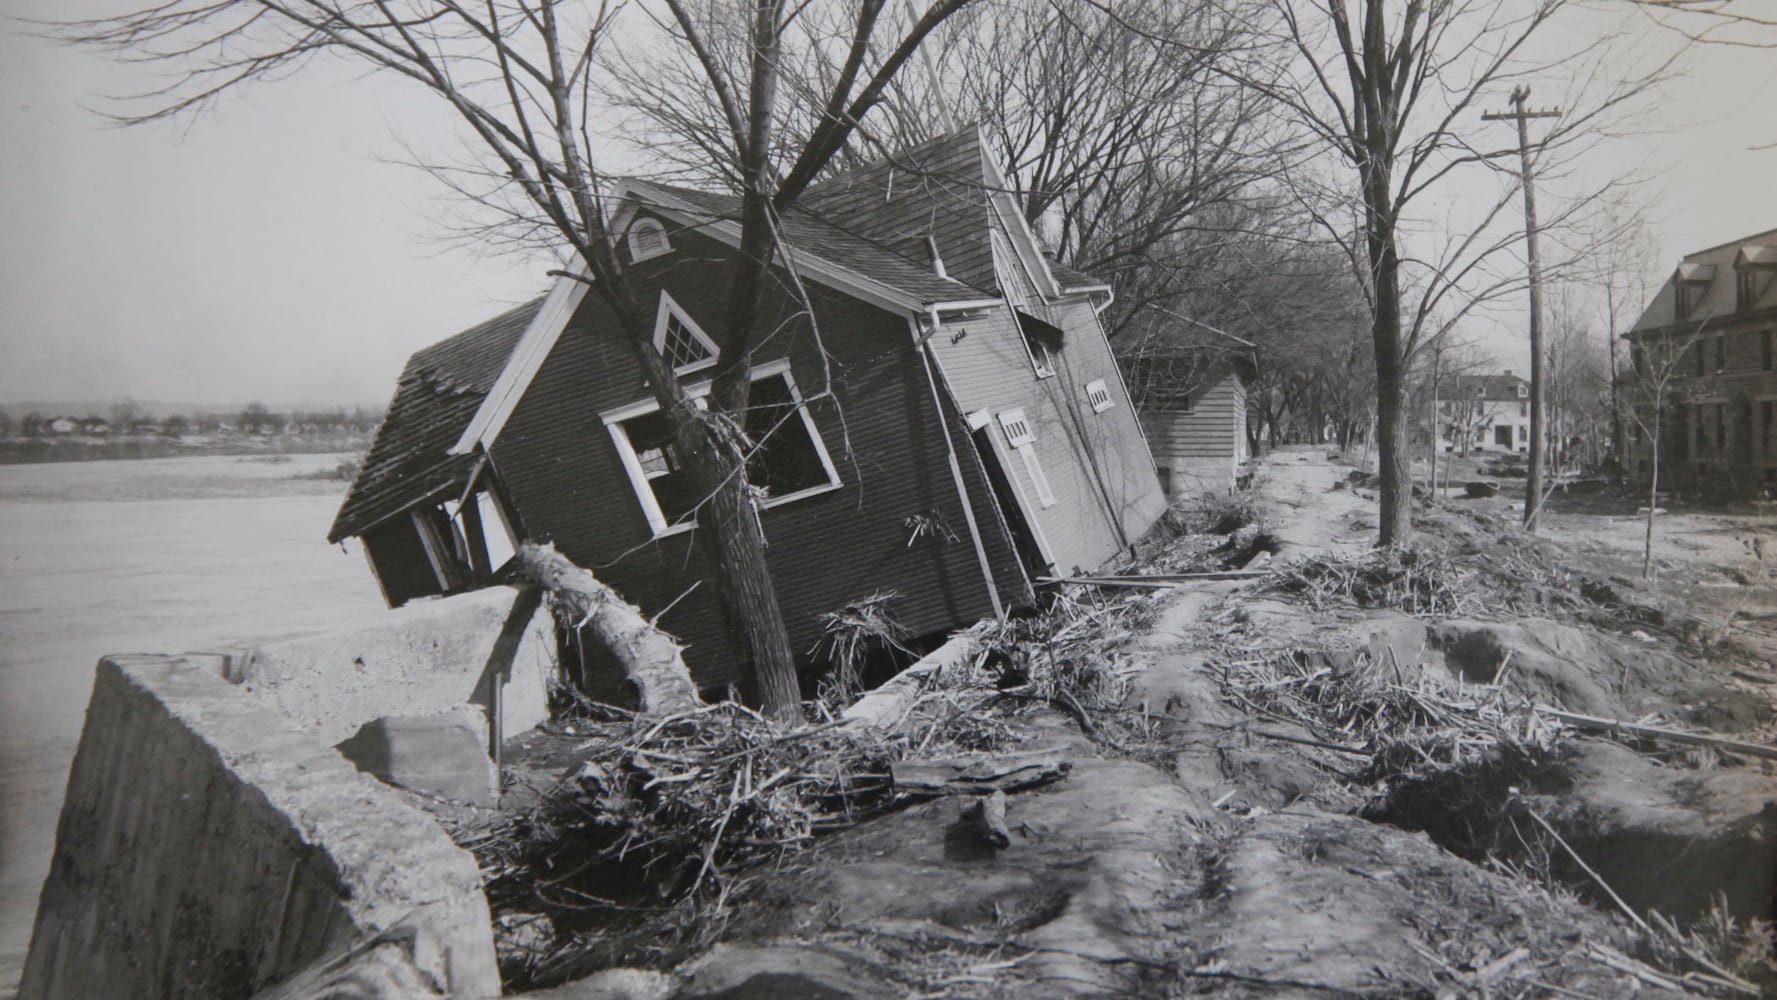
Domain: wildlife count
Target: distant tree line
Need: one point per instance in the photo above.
(128, 419)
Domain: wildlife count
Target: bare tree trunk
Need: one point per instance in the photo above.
(1393, 454)
(1653, 493)
(649, 657)
(729, 525)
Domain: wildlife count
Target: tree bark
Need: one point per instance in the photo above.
(728, 523)
(649, 657)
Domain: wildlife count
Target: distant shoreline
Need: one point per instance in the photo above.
(81, 448)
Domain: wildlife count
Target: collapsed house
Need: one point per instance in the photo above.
(943, 422)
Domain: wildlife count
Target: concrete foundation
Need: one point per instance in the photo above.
(209, 847)
(492, 647)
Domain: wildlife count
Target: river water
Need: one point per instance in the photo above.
(158, 555)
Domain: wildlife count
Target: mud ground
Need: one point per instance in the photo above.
(1220, 846)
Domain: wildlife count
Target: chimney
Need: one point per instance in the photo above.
(1508, 373)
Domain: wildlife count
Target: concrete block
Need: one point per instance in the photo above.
(208, 848)
(443, 755)
(426, 658)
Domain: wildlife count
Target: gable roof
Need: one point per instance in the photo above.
(1713, 273)
(438, 392)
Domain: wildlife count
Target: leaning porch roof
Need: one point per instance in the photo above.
(437, 394)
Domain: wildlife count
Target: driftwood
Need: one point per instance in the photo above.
(649, 657)
(974, 776)
(1598, 725)
(988, 813)
(888, 705)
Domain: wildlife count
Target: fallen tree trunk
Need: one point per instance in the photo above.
(975, 775)
(650, 658)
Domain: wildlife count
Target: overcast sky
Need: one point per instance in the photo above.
(269, 252)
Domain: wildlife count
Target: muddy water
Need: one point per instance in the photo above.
(160, 555)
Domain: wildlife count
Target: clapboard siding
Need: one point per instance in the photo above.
(1105, 489)
(564, 477)
(1204, 446)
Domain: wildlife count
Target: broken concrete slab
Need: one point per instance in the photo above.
(442, 755)
(422, 658)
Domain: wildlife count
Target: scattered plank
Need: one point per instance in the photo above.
(1158, 580)
(1593, 723)
(974, 776)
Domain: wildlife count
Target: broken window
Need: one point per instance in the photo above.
(1043, 341)
(786, 460)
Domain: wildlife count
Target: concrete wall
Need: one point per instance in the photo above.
(425, 658)
(210, 847)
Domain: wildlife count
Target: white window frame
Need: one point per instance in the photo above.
(670, 310)
(1098, 396)
(646, 225)
(638, 478)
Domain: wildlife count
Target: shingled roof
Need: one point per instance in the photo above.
(809, 233)
(937, 189)
(1493, 388)
(439, 390)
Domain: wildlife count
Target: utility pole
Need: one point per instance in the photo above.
(1533, 489)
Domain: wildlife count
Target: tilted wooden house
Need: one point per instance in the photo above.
(950, 427)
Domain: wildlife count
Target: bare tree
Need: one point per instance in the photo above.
(1390, 89)
(522, 77)
(1657, 365)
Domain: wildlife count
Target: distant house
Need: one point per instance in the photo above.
(1708, 343)
(1192, 400)
(62, 425)
(96, 426)
(1484, 413)
(958, 431)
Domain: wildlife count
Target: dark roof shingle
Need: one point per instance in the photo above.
(438, 393)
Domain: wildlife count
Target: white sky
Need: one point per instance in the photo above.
(268, 253)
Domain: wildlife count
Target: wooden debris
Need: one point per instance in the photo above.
(887, 706)
(988, 813)
(1595, 724)
(973, 776)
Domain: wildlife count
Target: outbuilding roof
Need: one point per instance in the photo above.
(438, 392)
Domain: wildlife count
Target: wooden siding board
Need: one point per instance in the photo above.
(562, 473)
(988, 368)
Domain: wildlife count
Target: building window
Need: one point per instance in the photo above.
(1043, 342)
(1686, 295)
(788, 460)
(1523, 391)
(647, 239)
(680, 340)
(1022, 439)
(1768, 409)
(1721, 426)
(1638, 360)
(1700, 362)
(1523, 409)
(1767, 343)
(1721, 353)
(1745, 287)
(1171, 400)
(1098, 396)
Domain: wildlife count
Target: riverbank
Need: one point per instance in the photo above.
(155, 555)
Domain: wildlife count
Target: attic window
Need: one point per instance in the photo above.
(788, 460)
(1745, 288)
(1042, 341)
(1098, 395)
(647, 239)
(1523, 391)
(680, 340)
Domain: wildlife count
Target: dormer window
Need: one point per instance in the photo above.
(680, 340)
(1523, 391)
(647, 239)
(1745, 288)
